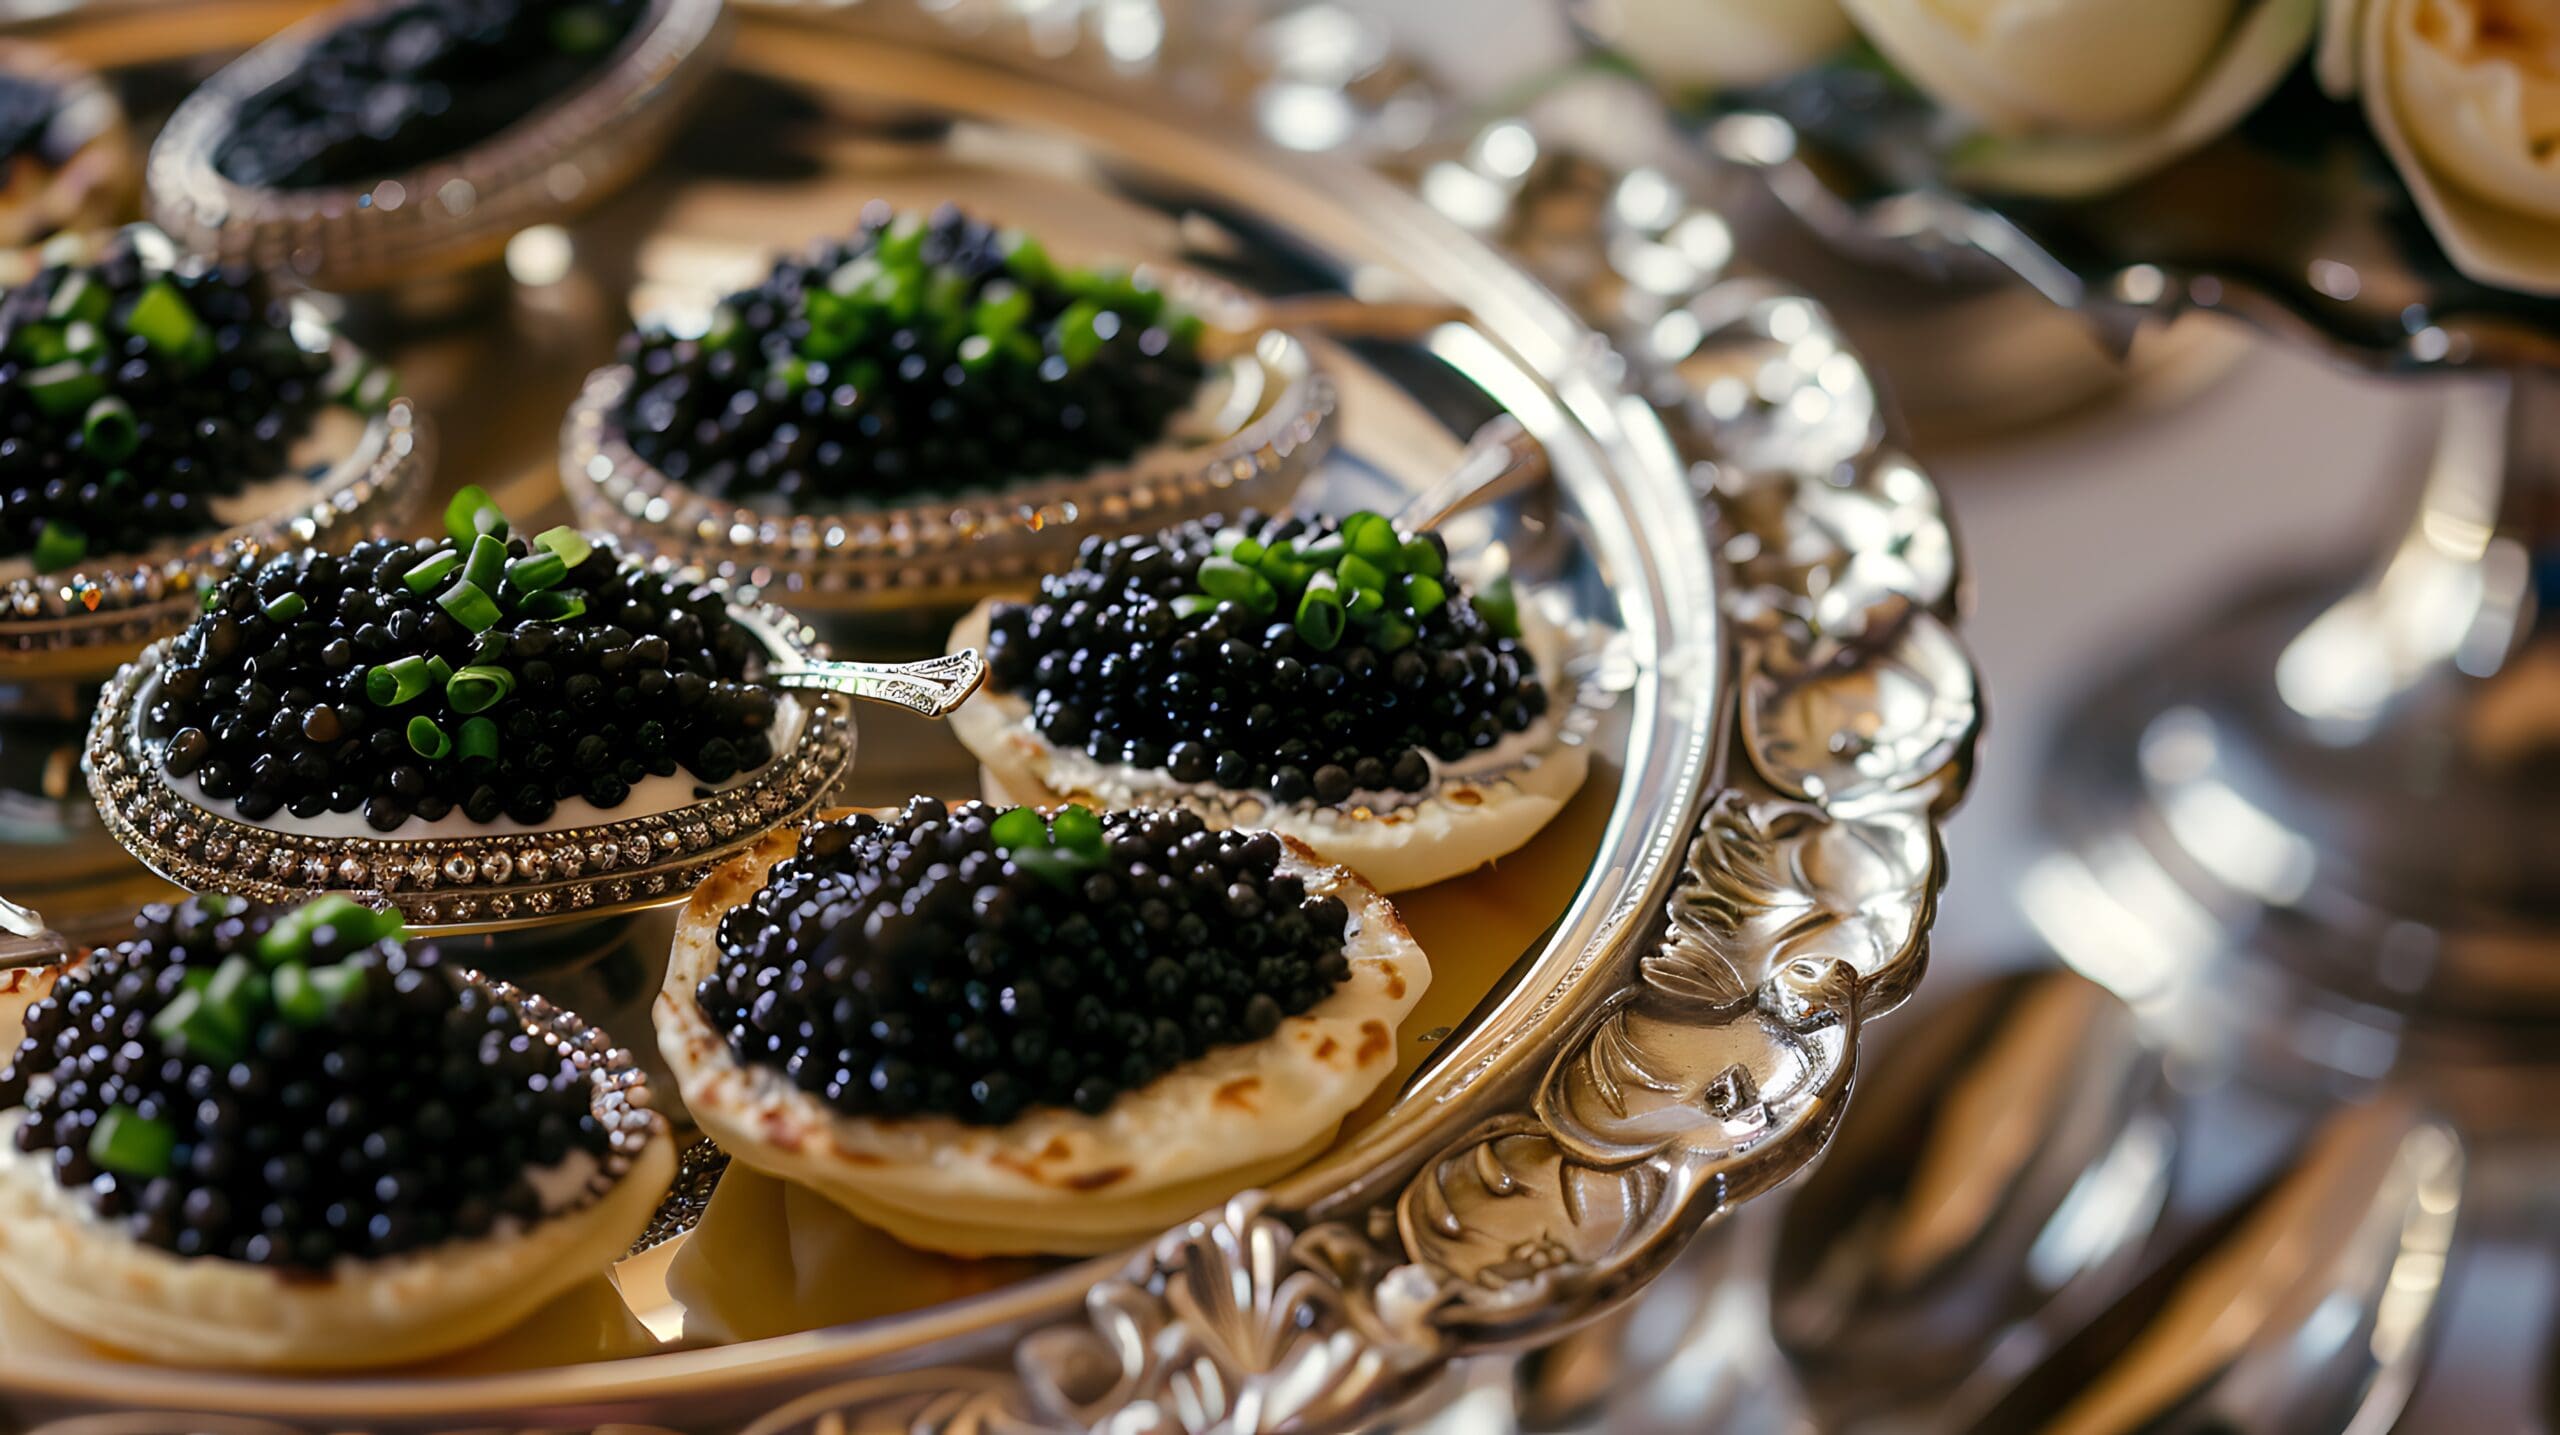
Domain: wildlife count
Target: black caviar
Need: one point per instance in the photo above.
(289, 1087)
(919, 356)
(134, 392)
(1309, 658)
(395, 88)
(976, 962)
(327, 683)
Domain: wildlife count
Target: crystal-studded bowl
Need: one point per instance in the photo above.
(441, 218)
(467, 878)
(1270, 406)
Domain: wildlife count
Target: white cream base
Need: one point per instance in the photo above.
(100, 1283)
(1476, 809)
(1056, 1181)
(649, 797)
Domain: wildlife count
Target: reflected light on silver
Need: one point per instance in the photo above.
(2237, 839)
(1305, 117)
(540, 256)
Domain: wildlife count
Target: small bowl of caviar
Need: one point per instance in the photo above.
(489, 730)
(387, 143)
(163, 420)
(66, 153)
(318, 1143)
(933, 408)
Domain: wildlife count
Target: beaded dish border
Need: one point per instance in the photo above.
(956, 550)
(443, 217)
(451, 885)
(618, 1089)
(73, 619)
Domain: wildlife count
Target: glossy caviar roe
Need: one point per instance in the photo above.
(281, 696)
(1127, 657)
(401, 86)
(236, 1081)
(917, 357)
(133, 394)
(976, 962)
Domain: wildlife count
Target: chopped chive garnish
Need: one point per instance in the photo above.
(64, 387)
(1422, 557)
(1021, 829)
(1226, 578)
(428, 740)
(470, 605)
(108, 430)
(479, 739)
(132, 1144)
(191, 1020)
(236, 988)
(1078, 829)
(287, 606)
(471, 513)
(396, 682)
(79, 297)
(439, 672)
(162, 319)
(535, 573)
(1500, 606)
(59, 545)
(1364, 605)
(1358, 573)
(487, 563)
(1424, 595)
(1393, 633)
(569, 543)
(554, 605)
(338, 981)
(299, 999)
(477, 688)
(1373, 537)
(1320, 617)
(1192, 605)
(431, 572)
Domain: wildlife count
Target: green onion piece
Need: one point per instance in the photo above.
(287, 607)
(1360, 575)
(439, 672)
(432, 572)
(479, 739)
(555, 605)
(65, 387)
(1058, 869)
(1002, 308)
(580, 30)
(1226, 540)
(470, 606)
(471, 513)
(59, 545)
(79, 297)
(477, 689)
(40, 344)
(191, 1021)
(1325, 551)
(1424, 557)
(1500, 606)
(1320, 616)
(1424, 595)
(724, 329)
(299, 999)
(1076, 337)
(1023, 829)
(487, 563)
(338, 981)
(1393, 632)
(535, 573)
(1078, 830)
(1373, 537)
(1025, 259)
(1226, 578)
(236, 987)
(82, 341)
(290, 938)
(428, 740)
(108, 430)
(393, 683)
(209, 597)
(1365, 604)
(132, 1144)
(1192, 605)
(163, 320)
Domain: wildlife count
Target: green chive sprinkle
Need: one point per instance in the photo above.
(132, 1144)
(108, 430)
(59, 545)
(1228, 579)
(398, 681)
(235, 987)
(478, 688)
(287, 607)
(487, 563)
(299, 999)
(1320, 616)
(1077, 829)
(1359, 574)
(1393, 633)
(1423, 557)
(569, 543)
(1424, 595)
(470, 605)
(479, 739)
(1373, 537)
(1500, 606)
(536, 572)
(1192, 605)
(1019, 830)
(162, 319)
(79, 297)
(194, 1022)
(428, 740)
(1365, 604)
(432, 572)
(64, 387)
(471, 513)
(338, 982)
(554, 605)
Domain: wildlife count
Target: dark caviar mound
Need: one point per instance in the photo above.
(388, 680)
(133, 394)
(917, 357)
(291, 1086)
(401, 86)
(976, 962)
(1302, 657)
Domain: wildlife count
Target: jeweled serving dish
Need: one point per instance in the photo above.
(1644, 1017)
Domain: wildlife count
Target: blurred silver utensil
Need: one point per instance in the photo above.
(25, 940)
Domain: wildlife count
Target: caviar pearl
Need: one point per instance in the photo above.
(291, 1087)
(976, 962)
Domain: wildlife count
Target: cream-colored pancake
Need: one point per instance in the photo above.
(1476, 810)
(92, 1278)
(1056, 1181)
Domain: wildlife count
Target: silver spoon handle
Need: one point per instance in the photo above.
(932, 687)
(25, 940)
(1500, 460)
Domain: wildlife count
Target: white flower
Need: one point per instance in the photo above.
(2075, 96)
(2476, 83)
(1721, 44)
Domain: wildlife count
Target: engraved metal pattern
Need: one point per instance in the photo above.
(473, 882)
(444, 216)
(957, 548)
